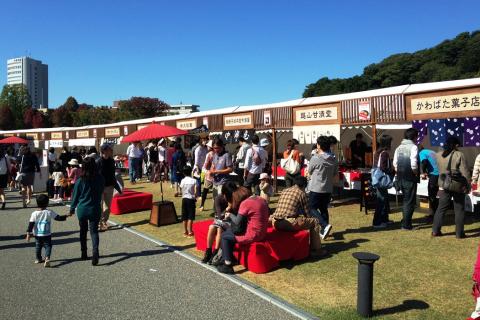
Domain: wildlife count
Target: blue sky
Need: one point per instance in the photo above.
(216, 53)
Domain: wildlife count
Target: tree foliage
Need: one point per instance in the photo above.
(17, 98)
(450, 60)
(141, 107)
(7, 119)
(33, 118)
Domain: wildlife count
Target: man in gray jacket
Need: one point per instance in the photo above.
(405, 161)
(322, 169)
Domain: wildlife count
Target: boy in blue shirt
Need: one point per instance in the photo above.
(40, 225)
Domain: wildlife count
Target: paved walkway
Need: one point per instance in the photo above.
(136, 279)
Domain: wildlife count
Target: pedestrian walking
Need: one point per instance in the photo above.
(4, 176)
(28, 166)
(188, 186)
(255, 162)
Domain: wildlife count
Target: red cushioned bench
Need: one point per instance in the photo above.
(131, 201)
(261, 257)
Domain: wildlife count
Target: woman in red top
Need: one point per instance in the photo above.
(295, 154)
(250, 225)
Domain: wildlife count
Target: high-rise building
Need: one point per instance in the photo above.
(34, 75)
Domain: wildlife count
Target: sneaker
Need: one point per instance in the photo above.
(38, 261)
(84, 256)
(224, 268)
(326, 231)
(380, 226)
(3, 205)
(437, 234)
(47, 263)
(95, 259)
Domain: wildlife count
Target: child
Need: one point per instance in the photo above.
(57, 177)
(40, 224)
(188, 186)
(266, 190)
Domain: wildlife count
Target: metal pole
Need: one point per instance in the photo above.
(274, 159)
(365, 282)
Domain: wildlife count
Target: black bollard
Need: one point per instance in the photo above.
(365, 282)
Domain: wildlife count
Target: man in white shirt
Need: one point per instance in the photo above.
(255, 162)
(162, 160)
(240, 159)
(134, 161)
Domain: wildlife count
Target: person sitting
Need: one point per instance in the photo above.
(293, 214)
(249, 225)
(215, 230)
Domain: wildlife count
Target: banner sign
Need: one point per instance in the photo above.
(55, 143)
(187, 124)
(309, 134)
(238, 121)
(364, 111)
(267, 120)
(34, 136)
(450, 103)
(125, 130)
(111, 141)
(316, 114)
(83, 134)
(232, 136)
(112, 132)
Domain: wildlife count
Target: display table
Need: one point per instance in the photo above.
(262, 257)
(131, 201)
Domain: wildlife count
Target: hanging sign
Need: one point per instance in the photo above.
(34, 136)
(232, 136)
(309, 134)
(125, 130)
(111, 141)
(364, 110)
(450, 103)
(112, 132)
(56, 135)
(267, 120)
(187, 124)
(43, 135)
(56, 143)
(67, 135)
(238, 121)
(321, 114)
(83, 134)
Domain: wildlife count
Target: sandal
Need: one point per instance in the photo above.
(190, 234)
(185, 234)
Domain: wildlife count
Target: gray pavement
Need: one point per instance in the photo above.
(136, 279)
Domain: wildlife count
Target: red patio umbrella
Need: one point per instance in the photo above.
(13, 140)
(154, 131)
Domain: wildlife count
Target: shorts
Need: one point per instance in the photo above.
(252, 180)
(3, 181)
(28, 179)
(188, 209)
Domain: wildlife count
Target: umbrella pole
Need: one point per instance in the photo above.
(161, 187)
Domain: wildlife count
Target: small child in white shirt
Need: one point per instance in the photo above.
(188, 186)
(57, 177)
(266, 189)
(40, 223)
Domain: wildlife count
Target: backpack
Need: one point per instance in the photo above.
(257, 160)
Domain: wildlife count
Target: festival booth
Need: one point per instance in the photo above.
(438, 112)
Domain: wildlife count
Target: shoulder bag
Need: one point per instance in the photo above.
(380, 179)
(454, 182)
(290, 165)
(20, 175)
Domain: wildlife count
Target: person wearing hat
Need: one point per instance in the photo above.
(266, 190)
(73, 173)
(106, 168)
(255, 162)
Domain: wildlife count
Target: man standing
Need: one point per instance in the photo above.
(106, 167)
(221, 167)
(292, 214)
(134, 161)
(255, 161)
(358, 148)
(322, 169)
(162, 161)
(405, 162)
(429, 169)
(240, 159)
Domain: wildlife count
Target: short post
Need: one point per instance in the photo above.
(365, 282)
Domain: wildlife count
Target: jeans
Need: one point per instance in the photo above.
(289, 179)
(458, 207)
(318, 203)
(133, 164)
(43, 242)
(409, 191)
(228, 243)
(383, 207)
(92, 224)
(432, 193)
(199, 187)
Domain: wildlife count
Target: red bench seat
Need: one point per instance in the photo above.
(131, 201)
(262, 257)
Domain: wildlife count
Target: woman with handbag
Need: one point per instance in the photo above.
(4, 174)
(382, 162)
(291, 157)
(453, 183)
(26, 175)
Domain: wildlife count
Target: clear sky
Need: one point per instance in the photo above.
(216, 53)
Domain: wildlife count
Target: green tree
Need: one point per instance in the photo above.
(7, 120)
(141, 107)
(17, 98)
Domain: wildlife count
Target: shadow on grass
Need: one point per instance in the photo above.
(407, 305)
(137, 223)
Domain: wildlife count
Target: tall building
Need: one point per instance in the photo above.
(34, 75)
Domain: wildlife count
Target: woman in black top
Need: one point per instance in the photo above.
(28, 166)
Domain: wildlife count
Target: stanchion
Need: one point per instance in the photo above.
(365, 282)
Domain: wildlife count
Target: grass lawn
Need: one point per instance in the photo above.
(417, 277)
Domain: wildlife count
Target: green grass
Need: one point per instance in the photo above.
(417, 277)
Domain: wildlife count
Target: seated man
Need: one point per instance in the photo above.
(292, 214)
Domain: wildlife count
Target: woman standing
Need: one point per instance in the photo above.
(382, 161)
(4, 174)
(87, 199)
(291, 152)
(28, 166)
(178, 162)
(52, 159)
(250, 225)
(454, 161)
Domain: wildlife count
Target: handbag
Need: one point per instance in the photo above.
(380, 179)
(454, 182)
(20, 175)
(290, 165)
